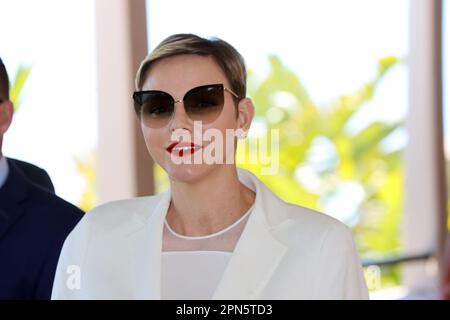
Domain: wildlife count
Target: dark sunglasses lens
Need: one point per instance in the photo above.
(204, 103)
(156, 108)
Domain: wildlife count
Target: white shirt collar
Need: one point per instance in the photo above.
(4, 170)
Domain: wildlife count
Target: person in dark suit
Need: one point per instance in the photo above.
(33, 223)
(34, 174)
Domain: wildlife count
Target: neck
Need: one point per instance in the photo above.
(210, 204)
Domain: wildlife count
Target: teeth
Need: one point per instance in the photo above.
(185, 148)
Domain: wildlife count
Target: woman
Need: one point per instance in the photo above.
(218, 232)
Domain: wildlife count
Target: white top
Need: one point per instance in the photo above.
(192, 267)
(192, 275)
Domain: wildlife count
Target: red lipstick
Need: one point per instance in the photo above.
(182, 148)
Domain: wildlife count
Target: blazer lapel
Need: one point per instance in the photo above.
(255, 258)
(257, 253)
(146, 245)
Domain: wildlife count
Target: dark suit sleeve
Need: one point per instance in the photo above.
(64, 218)
(43, 289)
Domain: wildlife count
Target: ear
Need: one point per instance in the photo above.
(246, 112)
(6, 115)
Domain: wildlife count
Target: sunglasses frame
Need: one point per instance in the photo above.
(137, 94)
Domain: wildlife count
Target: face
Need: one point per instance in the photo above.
(177, 76)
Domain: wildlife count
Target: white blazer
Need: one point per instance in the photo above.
(285, 252)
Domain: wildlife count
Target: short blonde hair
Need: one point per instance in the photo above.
(225, 55)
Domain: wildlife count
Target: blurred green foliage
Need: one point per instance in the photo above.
(85, 167)
(283, 103)
(17, 84)
(356, 158)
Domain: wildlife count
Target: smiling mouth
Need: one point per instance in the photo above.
(182, 149)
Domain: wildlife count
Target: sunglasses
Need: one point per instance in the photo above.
(204, 103)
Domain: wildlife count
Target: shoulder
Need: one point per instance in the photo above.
(123, 209)
(293, 224)
(44, 199)
(26, 167)
(46, 206)
(105, 225)
(315, 220)
(33, 173)
(305, 226)
(118, 217)
(121, 206)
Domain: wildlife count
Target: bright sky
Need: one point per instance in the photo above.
(333, 45)
(57, 120)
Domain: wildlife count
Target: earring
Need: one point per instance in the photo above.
(242, 135)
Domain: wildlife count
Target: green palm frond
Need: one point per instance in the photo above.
(17, 85)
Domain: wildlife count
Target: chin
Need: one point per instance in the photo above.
(188, 173)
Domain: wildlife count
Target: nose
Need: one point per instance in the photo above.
(180, 119)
